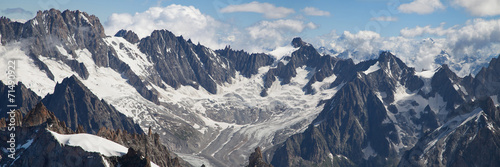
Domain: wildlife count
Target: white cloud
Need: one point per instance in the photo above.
(267, 35)
(362, 41)
(475, 36)
(384, 18)
(312, 11)
(366, 45)
(269, 10)
(427, 30)
(181, 20)
(480, 7)
(421, 6)
(468, 45)
(189, 22)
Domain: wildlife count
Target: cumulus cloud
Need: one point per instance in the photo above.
(312, 11)
(363, 41)
(427, 30)
(421, 6)
(384, 18)
(365, 45)
(189, 22)
(468, 46)
(475, 36)
(181, 20)
(268, 10)
(267, 35)
(480, 7)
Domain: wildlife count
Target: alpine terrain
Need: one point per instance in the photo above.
(87, 99)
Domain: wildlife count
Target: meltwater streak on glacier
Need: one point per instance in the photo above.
(289, 109)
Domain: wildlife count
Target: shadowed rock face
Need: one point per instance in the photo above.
(145, 145)
(45, 149)
(180, 62)
(355, 118)
(74, 104)
(256, 160)
(71, 31)
(351, 121)
(130, 36)
(466, 142)
(364, 124)
(25, 99)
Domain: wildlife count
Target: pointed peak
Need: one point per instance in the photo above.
(445, 70)
(444, 67)
(38, 115)
(128, 35)
(72, 81)
(386, 55)
(297, 42)
(72, 78)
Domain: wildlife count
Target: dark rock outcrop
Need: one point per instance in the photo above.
(469, 139)
(247, 64)
(25, 99)
(73, 103)
(305, 56)
(445, 83)
(256, 160)
(44, 149)
(180, 62)
(144, 145)
(349, 123)
(130, 36)
(486, 82)
(71, 30)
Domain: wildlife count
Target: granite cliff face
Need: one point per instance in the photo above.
(76, 105)
(180, 62)
(42, 147)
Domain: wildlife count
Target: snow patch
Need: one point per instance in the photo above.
(130, 54)
(91, 143)
(325, 84)
(25, 145)
(426, 76)
(372, 68)
(26, 70)
(330, 155)
(495, 100)
(438, 105)
(195, 160)
(368, 152)
(85, 19)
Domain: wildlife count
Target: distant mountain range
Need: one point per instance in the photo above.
(163, 100)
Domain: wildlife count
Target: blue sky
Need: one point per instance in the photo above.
(353, 15)
(458, 27)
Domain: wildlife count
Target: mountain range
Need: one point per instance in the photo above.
(164, 100)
